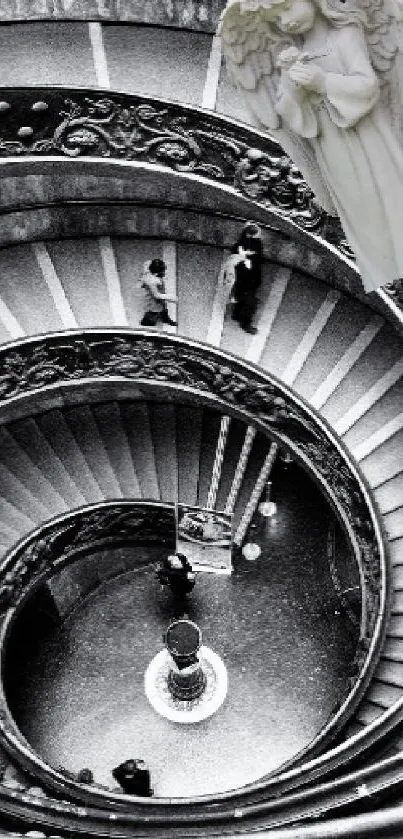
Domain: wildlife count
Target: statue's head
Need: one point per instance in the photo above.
(295, 17)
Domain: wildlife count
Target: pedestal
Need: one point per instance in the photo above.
(186, 678)
(186, 682)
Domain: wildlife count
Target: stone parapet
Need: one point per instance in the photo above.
(201, 15)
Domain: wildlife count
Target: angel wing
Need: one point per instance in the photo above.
(383, 30)
(250, 45)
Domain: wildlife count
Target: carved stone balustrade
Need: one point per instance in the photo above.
(79, 123)
(79, 365)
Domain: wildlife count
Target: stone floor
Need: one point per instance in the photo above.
(276, 623)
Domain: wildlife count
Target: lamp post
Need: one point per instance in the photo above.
(267, 508)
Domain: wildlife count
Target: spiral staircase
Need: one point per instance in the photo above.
(75, 231)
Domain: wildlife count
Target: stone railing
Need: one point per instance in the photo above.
(87, 124)
(89, 529)
(38, 372)
(35, 372)
(191, 14)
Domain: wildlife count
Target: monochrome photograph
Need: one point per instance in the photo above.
(201, 419)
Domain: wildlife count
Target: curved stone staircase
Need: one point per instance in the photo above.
(84, 454)
(343, 357)
(337, 353)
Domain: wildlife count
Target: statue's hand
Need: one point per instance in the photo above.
(310, 77)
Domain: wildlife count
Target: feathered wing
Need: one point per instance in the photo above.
(383, 31)
(250, 46)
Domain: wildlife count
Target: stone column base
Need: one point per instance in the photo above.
(157, 688)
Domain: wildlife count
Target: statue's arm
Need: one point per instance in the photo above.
(295, 109)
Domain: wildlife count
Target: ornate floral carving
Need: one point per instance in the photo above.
(156, 358)
(81, 532)
(134, 128)
(44, 122)
(159, 358)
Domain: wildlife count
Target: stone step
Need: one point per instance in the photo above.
(393, 649)
(390, 672)
(383, 693)
(46, 53)
(395, 550)
(368, 711)
(23, 285)
(23, 499)
(376, 361)
(114, 438)
(189, 421)
(30, 438)
(345, 335)
(385, 462)
(394, 523)
(83, 426)
(15, 521)
(300, 303)
(197, 268)
(384, 417)
(79, 267)
(136, 424)
(144, 59)
(163, 429)
(387, 495)
(17, 461)
(58, 434)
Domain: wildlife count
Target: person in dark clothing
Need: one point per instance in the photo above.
(248, 277)
(134, 778)
(85, 776)
(176, 572)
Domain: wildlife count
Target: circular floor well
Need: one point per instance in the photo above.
(79, 696)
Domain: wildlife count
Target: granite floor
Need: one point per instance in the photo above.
(78, 692)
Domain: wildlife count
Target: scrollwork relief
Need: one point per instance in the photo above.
(80, 532)
(154, 132)
(156, 359)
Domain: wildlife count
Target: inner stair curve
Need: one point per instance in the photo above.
(340, 355)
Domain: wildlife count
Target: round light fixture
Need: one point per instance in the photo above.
(267, 509)
(251, 551)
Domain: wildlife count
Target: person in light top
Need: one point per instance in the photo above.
(155, 297)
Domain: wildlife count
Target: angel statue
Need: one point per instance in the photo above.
(325, 77)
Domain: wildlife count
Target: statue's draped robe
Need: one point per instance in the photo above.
(359, 157)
